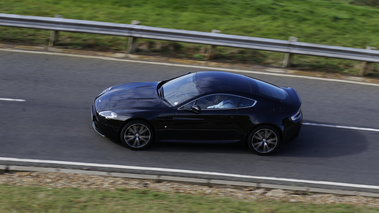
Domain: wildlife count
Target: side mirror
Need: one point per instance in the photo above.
(196, 109)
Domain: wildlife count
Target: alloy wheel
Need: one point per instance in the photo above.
(137, 136)
(264, 140)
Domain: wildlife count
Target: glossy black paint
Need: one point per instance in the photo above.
(187, 122)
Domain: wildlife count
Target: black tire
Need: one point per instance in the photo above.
(264, 140)
(137, 135)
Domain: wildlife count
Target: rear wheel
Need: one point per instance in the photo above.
(264, 140)
(137, 135)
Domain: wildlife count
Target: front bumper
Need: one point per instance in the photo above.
(100, 127)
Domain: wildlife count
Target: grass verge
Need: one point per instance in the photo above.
(331, 22)
(41, 199)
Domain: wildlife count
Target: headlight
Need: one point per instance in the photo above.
(296, 116)
(108, 114)
(106, 90)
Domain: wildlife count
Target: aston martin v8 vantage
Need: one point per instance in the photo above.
(201, 107)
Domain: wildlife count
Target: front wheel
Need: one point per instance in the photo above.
(264, 140)
(137, 135)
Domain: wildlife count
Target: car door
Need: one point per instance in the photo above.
(212, 118)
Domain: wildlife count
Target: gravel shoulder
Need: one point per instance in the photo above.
(81, 181)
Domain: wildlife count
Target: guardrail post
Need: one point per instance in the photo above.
(132, 44)
(288, 57)
(54, 34)
(365, 64)
(211, 48)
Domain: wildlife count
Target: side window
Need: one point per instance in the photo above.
(244, 102)
(188, 106)
(218, 102)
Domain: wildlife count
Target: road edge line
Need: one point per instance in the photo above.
(187, 176)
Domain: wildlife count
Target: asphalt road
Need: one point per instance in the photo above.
(53, 123)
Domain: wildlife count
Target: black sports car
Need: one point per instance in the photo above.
(209, 106)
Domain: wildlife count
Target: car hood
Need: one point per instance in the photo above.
(130, 96)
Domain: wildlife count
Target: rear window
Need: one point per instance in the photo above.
(271, 91)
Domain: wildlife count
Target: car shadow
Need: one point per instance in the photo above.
(231, 148)
(313, 141)
(238, 147)
(325, 142)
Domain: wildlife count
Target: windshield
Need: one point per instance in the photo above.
(179, 90)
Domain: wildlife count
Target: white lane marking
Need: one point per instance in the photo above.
(194, 66)
(342, 127)
(11, 99)
(139, 168)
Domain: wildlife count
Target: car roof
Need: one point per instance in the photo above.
(223, 82)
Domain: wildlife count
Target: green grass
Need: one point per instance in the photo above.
(40, 199)
(330, 22)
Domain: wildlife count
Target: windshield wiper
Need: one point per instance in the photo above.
(161, 92)
(161, 95)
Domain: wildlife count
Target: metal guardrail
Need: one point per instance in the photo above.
(214, 39)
